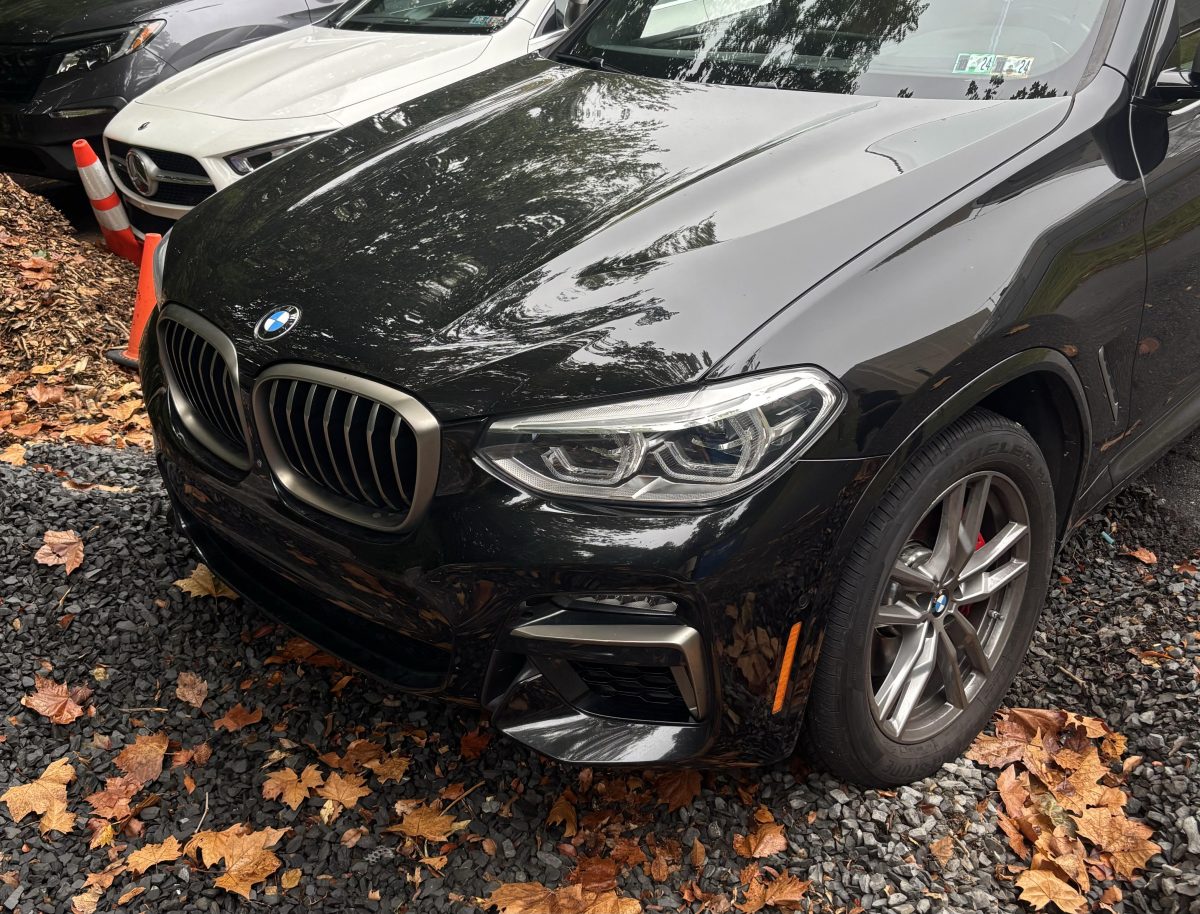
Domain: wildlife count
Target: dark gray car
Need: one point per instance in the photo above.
(67, 66)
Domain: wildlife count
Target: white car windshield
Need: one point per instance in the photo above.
(967, 49)
(424, 15)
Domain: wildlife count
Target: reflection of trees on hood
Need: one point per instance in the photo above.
(844, 40)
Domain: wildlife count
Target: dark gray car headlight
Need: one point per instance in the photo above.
(687, 448)
(109, 47)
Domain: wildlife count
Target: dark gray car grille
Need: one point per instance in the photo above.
(204, 391)
(351, 446)
(22, 68)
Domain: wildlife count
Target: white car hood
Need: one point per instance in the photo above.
(312, 71)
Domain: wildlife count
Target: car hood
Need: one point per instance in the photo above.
(40, 20)
(311, 71)
(542, 233)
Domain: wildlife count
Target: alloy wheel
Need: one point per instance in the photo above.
(949, 607)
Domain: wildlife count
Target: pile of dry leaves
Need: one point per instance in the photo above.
(1064, 807)
(63, 302)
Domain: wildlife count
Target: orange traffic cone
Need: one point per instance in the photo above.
(114, 223)
(147, 298)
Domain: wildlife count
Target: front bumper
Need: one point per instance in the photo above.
(490, 601)
(39, 143)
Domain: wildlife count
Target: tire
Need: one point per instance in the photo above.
(901, 685)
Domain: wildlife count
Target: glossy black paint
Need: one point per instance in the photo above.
(542, 234)
(33, 141)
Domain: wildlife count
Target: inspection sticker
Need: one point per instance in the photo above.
(1006, 65)
(489, 22)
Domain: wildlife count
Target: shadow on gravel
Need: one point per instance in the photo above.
(118, 625)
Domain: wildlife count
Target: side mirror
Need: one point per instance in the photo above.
(575, 9)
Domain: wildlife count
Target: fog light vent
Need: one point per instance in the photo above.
(654, 604)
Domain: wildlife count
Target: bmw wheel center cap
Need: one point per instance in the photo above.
(276, 322)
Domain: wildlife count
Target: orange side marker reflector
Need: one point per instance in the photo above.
(785, 671)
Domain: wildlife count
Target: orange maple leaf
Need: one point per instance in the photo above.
(292, 788)
(191, 688)
(237, 717)
(1126, 841)
(143, 761)
(52, 700)
(113, 801)
(428, 823)
(202, 583)
(151, 854)
(50, 789)
(390, 768)
(677, 788)
(1040, 888)
(345, 790)
(765, 841)
(61, 547)
(246, 854)
(563, 813)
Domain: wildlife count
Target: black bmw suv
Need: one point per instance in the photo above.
(725, 377)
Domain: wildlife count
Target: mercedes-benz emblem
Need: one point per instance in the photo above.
(143, 173)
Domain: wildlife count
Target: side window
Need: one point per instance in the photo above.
(1189, 30)
(557, 18)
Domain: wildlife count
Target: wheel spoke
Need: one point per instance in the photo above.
(969, 640)
(916, 682)
(994, 548)
(898, 614)
(972, 522)
(956, 692)
(912, 578)
(902, 666)
(945, 547)
(985, 584)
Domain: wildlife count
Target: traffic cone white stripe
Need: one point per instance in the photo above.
(106, 204)
(113, 220)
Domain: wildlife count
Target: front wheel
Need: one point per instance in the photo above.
(936, 607)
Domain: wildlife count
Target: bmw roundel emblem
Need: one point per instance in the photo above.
(276, 322)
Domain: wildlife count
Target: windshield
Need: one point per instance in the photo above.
(967, 49)
(425, 15)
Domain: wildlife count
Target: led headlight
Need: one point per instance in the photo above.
(249, 160)
(685, 448)
(109, 47)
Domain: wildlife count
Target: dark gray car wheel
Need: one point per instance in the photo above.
(936, 607)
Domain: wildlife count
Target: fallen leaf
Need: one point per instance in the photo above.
(237, 717)
(677, 788)
(785, 893)
(1125, 841)
(13, 454)
(765, 841)
(534, 898)
(191, 689)
(1040, 888)
(151, 854)
(52, 700)
(345, 790)
(246, 854)
(563, 813)
(698, 855)
(1142, 554)
(87, 900)
(428, 823)
(473, 743)
(60, 547)
(942, 849)
(113, 801)
(293, 789)
(143, 761)
(129, 894)
(202, 583)
(57, 818)
(290, 879)
(390, 768)
(50, 789)
(351, 836)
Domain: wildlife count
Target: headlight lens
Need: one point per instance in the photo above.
(678, 449)
(253, 159)
(109, 47)
(160, 258)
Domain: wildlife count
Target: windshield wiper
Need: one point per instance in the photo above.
(592, 63)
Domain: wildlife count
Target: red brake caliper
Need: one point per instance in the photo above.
(980, 542)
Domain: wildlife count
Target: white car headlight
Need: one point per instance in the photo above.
(109, 47)
(684, 448)
(249, 160)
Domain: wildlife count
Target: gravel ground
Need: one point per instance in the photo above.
(118, 625)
